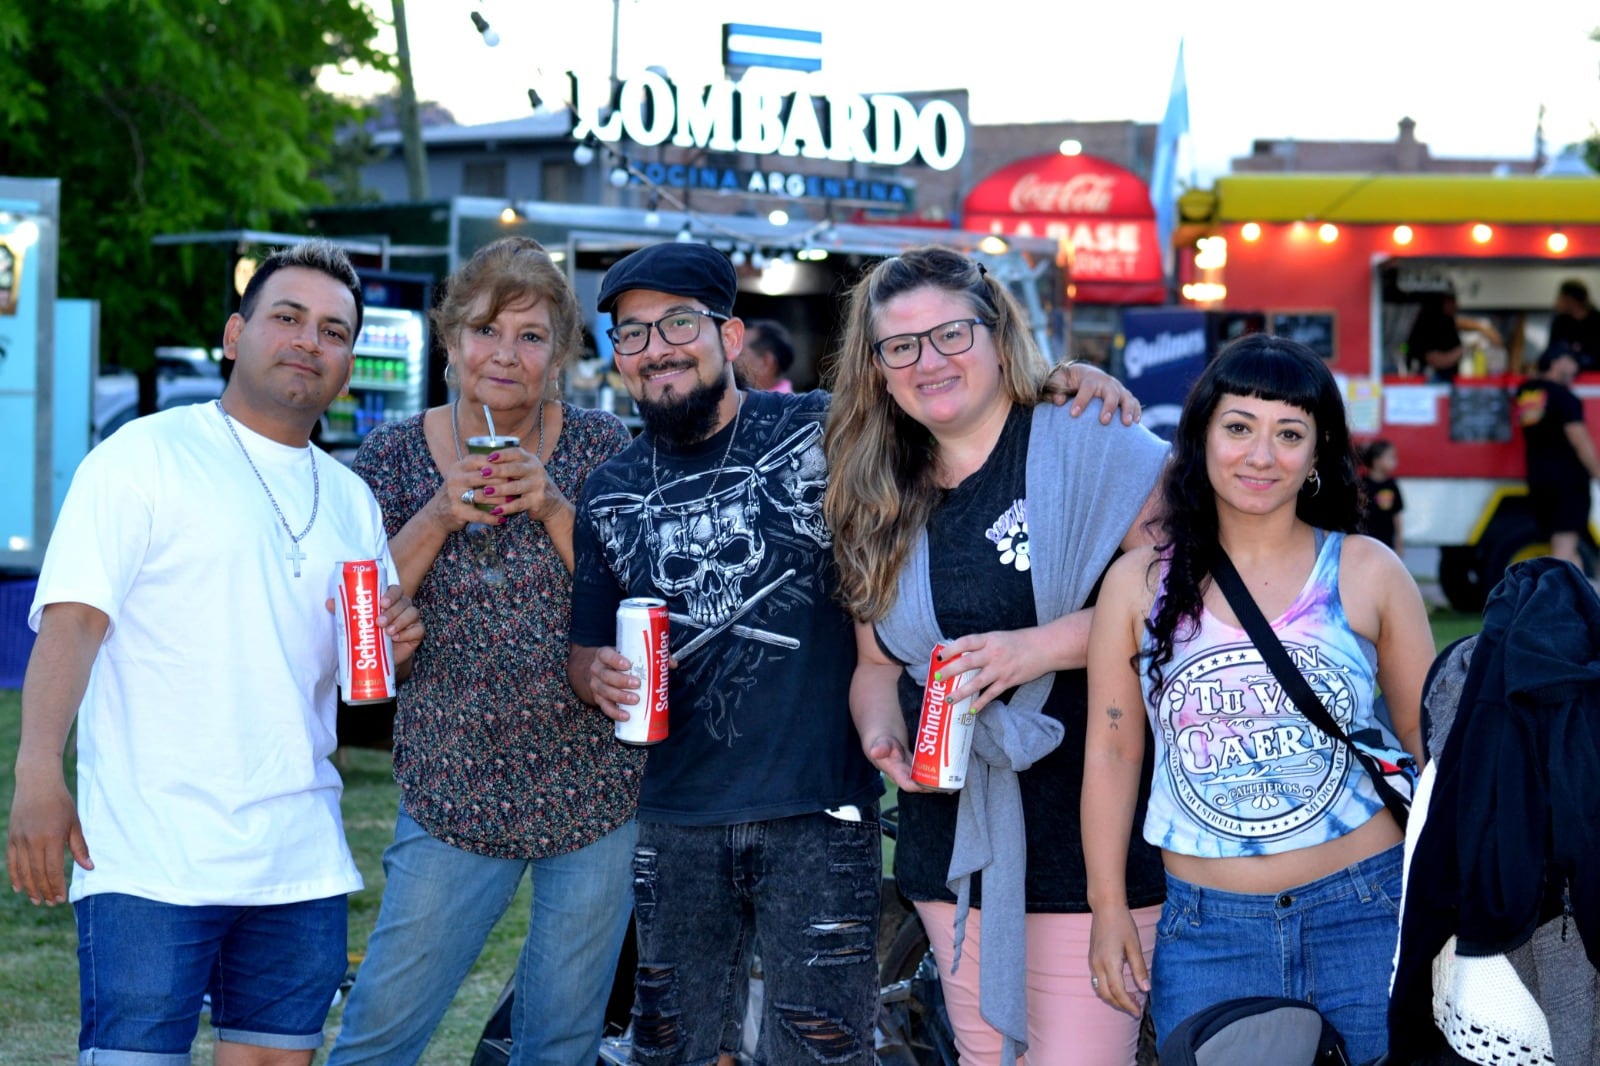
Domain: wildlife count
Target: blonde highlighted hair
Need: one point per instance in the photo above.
(881, 488)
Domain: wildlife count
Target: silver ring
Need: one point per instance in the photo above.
(1094, 982)
(469, 497)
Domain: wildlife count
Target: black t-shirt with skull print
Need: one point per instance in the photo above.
(758, 707)
(979, 573)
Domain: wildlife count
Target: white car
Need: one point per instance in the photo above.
(184, 375)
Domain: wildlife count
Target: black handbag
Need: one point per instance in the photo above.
(1393, 772)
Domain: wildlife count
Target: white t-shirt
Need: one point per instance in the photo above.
(204, 736)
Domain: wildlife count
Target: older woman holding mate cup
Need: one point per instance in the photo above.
(502, 771)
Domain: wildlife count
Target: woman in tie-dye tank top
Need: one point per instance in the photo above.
(1283, 866)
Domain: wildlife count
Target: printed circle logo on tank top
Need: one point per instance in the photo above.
(1242, 759)
(1009, 535)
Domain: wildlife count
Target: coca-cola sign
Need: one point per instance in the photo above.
(1098, 212)
(1081, 194)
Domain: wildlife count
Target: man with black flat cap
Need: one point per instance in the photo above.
(758, 812)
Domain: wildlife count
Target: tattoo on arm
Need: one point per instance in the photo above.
(1114, 713)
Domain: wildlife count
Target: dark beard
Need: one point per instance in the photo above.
(690, 420)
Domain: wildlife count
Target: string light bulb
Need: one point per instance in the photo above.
(481, 24)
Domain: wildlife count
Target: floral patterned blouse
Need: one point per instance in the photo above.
(493, 752)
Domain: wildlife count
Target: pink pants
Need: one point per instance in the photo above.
(1068, 1025)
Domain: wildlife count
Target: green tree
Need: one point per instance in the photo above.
(167, 116)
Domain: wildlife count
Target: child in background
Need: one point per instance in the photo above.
(1379, 460)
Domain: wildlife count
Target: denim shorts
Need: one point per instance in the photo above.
(1329, 942)
(807, 888)
(145, 967)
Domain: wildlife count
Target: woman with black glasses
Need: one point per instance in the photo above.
(966, 513)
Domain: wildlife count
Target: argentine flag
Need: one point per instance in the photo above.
(744, 45)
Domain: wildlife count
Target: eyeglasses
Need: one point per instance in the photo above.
(951, 338)
(680, 327)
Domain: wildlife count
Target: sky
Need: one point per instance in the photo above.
(1472, 75)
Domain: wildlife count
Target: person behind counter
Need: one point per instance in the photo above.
(967, 513)
(502, 771)
(1576, 325)
(1433, 347)
(1283, 863)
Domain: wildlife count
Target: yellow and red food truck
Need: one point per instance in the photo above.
(1346, 262)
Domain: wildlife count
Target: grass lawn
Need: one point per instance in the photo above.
(38, 963)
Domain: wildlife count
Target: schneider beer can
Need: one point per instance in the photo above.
(366, 654)
(944, 732)
(642, 640)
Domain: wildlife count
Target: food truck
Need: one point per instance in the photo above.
(1344, 263)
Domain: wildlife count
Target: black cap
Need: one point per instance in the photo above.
(680, 268)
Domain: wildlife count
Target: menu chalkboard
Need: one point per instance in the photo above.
(1314, 329)
(1480, 414)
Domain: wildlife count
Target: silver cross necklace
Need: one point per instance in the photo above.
(294, 554)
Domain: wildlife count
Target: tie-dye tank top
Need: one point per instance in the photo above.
(1238, 768)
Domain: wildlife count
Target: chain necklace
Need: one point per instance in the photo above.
(455, 430)
(723, 465)
(294, 554)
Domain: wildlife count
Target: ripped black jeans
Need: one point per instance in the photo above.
(808, 888)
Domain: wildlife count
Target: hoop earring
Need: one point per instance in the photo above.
(1315, 481)
(452, 376)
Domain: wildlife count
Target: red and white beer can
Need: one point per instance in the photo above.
(642, 640)
(944, 731)
(366, 654)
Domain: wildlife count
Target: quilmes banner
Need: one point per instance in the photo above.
(1164, 349)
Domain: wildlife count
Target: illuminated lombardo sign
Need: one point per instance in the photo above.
(881, 129)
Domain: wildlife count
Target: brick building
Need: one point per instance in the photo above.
(1403, 155)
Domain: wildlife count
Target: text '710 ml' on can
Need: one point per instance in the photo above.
(366, 654)
(944, 731)
(642, 640)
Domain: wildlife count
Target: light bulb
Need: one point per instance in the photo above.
(583, 155)
(481, 24)
(618, 177)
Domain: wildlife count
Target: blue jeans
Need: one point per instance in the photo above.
(144, 968)
(439, 905)
(1329, 942)
(807, 888)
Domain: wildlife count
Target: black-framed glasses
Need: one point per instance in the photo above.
(680, 327)
(949, 338)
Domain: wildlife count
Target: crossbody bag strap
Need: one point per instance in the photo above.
(1293, 682)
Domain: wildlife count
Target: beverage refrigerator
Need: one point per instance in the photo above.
(393, 376)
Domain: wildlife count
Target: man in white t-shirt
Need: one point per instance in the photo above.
(183, 618)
